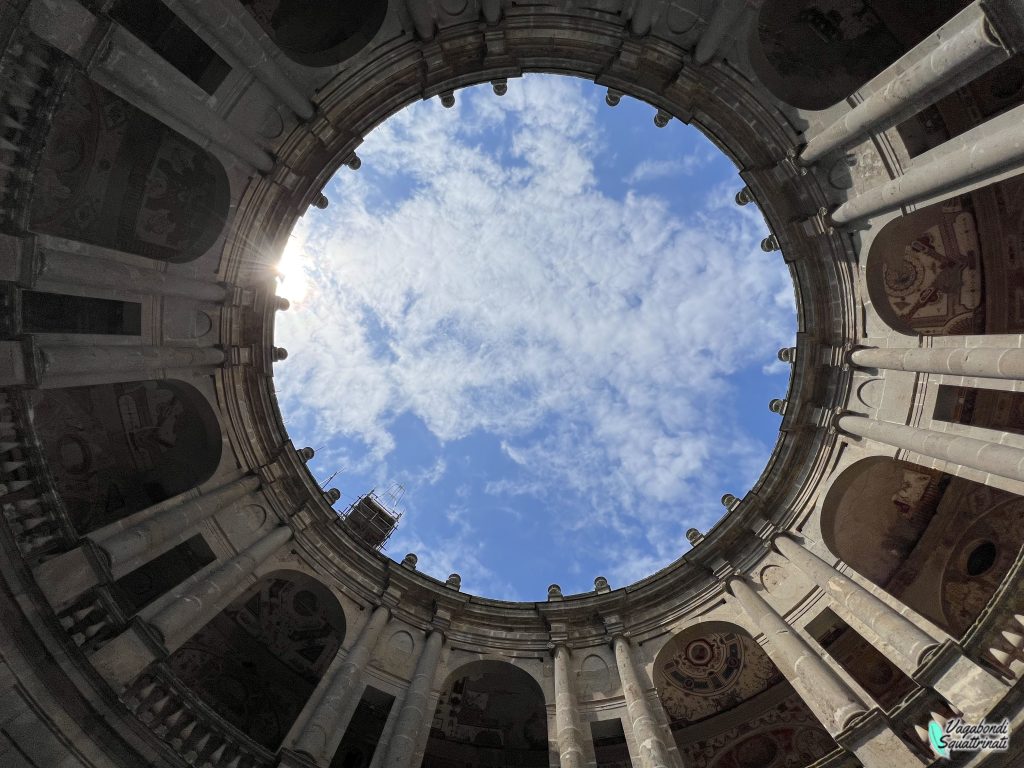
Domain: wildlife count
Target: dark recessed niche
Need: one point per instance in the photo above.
(981, 559)
(61, 313)
(160, 28)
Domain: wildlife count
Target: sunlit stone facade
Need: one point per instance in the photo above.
(177, 589)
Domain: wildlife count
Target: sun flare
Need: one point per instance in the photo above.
(293, 271)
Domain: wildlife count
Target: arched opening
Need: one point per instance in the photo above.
(490, 713)
(814, 53)
(257, 662)
(729, 705)
(949, 269)
(319, 33)
(115, 449)
(938, 543)
(113, 176)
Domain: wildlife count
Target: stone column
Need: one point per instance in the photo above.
(193, 605)
(1000, 363)
(963, 683)
(30, 259)
(828, 696)
(134, 546)
(1002, 460)
(78, 270)
(957, 60)
(196, 604)
(127, 67)
(569, 734)
(114, 363)
(66, 576)
(413, 716)
(322, 734)
(213, 17)
(905, 643)
(976, 157)
(647, 732)
(865, 733)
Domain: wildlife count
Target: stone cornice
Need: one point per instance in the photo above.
(353, 103)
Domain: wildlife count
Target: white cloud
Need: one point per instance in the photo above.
(458, 553)
(506, 293)
(684, 165)
(432, 475)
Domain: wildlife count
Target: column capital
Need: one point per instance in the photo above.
(615, 626)
(1006, 20)
(441, 620)
(390, 597)
(865, 721)
(939, 657)
(732, 579)
(558, 632)
(790, 535)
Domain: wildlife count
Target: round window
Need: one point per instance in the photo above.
(981, 559)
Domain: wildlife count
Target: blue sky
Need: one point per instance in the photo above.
(548, 320)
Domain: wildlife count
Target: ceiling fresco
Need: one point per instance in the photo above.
(784, 736)
(700, 676)
(259, 660)
(498, 711)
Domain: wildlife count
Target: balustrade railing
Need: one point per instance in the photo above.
(177, 716)
(29, 508)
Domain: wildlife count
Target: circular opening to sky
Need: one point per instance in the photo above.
(549, 321)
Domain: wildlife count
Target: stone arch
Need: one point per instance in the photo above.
(258, 661)
(943, 270)
(319, 33)
(940, 544)
(113, 176)
(489, 713)
(706, 675)
(116, 449)
(814, 53)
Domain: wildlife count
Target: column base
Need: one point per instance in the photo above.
(121, 660)
(875, 744)
(292, 759)
(13, 369)
(963, 683)
(65, 577)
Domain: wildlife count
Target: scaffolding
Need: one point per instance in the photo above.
(372, 518)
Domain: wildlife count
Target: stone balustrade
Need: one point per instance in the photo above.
(198, 734)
